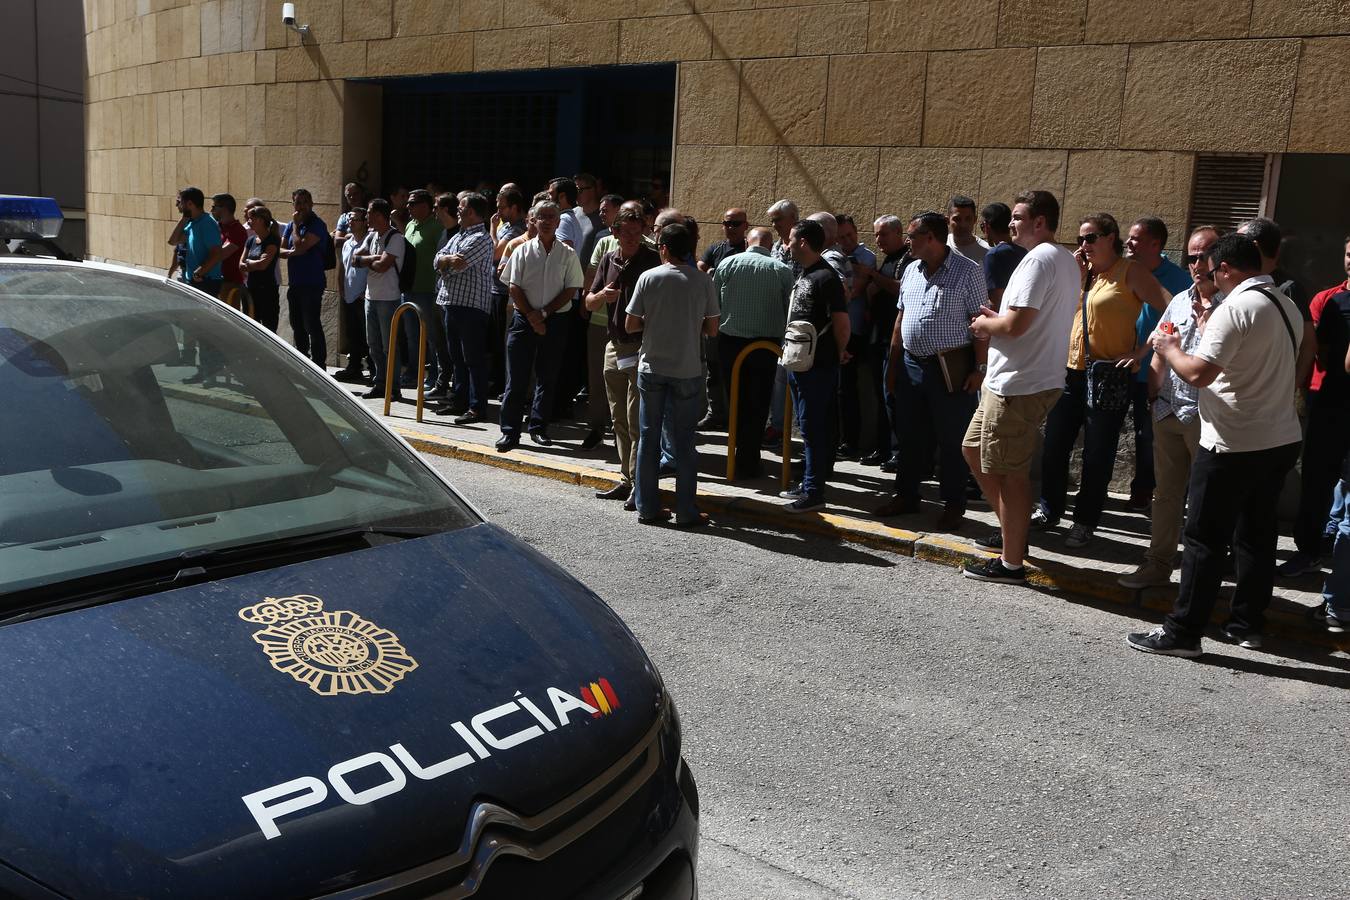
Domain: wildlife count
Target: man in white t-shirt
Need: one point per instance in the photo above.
(1249, 440)
(381, 253)
(1025, 377)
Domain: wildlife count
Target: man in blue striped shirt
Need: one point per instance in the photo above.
(935, 367)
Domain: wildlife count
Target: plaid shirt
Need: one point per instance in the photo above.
(938, 308)
(1175, 396)
(472, 286)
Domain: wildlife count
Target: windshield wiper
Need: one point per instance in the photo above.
(193, 567)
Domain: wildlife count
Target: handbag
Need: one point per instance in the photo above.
(1108, 385)
(799, 345)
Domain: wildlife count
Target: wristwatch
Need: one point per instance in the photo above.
(982, 368)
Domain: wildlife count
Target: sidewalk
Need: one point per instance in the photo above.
(854, 492)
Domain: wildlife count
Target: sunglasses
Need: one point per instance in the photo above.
(732, 223)
(1193, 258)
(1089, 238)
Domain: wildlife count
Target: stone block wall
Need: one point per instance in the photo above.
(865, 107)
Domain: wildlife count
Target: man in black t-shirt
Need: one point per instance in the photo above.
(734, 223)
(818, 298)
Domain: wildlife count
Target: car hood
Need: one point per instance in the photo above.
(150, 742)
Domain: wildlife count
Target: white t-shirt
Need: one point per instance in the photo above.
(382, 287)
(1047, 280)
(353, 279)
(1250, 406)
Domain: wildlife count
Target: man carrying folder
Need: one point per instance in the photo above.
(935, 368)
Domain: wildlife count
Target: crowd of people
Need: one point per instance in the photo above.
(981, 355)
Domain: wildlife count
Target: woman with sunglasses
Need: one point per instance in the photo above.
(1115, 289)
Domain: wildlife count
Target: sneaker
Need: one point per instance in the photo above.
(994, 570)
(1160, 642)
(772, 438)
(1079, 536)
(805, 504)
(1336, 624)
(1247, 640)
(1040, 521)
(793, 493)
(1149, 574)
(991, 541)
(1299, 564)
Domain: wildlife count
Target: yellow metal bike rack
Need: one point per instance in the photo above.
(231, 294)
(389, 361)
(734, 402)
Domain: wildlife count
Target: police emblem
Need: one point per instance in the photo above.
(334, 652)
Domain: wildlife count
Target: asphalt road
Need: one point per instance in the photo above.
(867, 725)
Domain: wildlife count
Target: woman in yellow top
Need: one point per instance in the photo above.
(1116, 289)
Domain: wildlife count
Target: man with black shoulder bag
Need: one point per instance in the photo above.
(935, 368)
(1249, 440)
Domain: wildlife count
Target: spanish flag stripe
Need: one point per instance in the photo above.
(600, 698)
(609, 693)
(587, 696)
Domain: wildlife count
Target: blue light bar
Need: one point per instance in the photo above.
(29, 218)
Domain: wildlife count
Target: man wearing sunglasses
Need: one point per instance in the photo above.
(1174, 407)
(734, 224)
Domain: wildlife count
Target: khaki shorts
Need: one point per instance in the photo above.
(1005, 429)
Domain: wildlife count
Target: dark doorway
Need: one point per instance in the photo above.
(1312, 206)
(463, 131)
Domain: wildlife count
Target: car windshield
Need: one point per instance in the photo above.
(141, 422)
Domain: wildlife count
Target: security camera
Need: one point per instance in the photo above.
(288, 19)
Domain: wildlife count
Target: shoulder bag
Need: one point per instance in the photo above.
(1108, 385)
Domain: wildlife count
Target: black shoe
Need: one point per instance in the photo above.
(593, 439)
(450, 409)
(438, 392)
(376, 391)
(350, 375)
(630, 505)
(541, 438)
(805, 503)
(710, 423)
(846, 451)
(1160, 642)
(994, 570)
(991, 541)
(891, 465)
(666, 471)
(471, 417)
(621, 491)
(875, 458)
(508, 442)
(1247, 640)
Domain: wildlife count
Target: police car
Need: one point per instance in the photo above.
(252, 646)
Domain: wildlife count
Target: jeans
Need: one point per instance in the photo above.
(818, 415)
(1141, 416)
(717, 383)
(621, 389)
(305, 304)
(752, 407)
(778, 399)
(439, 363)
(530, 353)
(677, 402)
(1232, 498)
(934, 419)
(1101, 436)
(1336, 590)
(379, 318)
(1340, 502)
(1327, 442)
(466, 330)
(354, 333)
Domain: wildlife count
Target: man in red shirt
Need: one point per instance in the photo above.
(1328, 437)
(233, 237)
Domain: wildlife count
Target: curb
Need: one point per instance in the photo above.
(1291, 620)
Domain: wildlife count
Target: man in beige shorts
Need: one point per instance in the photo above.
(1028, 343)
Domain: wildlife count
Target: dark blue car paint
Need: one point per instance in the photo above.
(134, 728)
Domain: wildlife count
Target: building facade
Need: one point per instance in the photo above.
(1208, 109)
